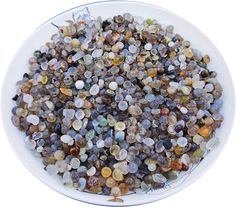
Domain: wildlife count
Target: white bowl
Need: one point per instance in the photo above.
(19, 65)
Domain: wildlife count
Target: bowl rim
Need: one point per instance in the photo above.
(89, 201)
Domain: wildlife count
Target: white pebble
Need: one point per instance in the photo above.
(132, 49)
(67, 139)
(91, 171)
(77, 124)
(97, 53)
(75, 163)
(184, 110)
(198, 84)
(148, 141)
(100, 143)
(148, 46)
(152, 167)
(79, 84)
(94, 90)
(27, 98)
(113, 85)
(33, 119)
(182, 141)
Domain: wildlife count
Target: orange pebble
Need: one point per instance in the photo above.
(152, 72)
(205, 131)
(110, 182)
(182, 73)
(176, 165)
(106, 172)
(124, 189)
(66, 91)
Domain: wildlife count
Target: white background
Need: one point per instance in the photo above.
(18, 19)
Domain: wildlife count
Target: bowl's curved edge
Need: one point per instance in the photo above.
(14, 148)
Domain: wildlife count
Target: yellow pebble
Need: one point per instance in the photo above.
(152, 72)
(117, 175)
(179, 150)
(172, 54)
(44, 79)
(66, 91)
(75, 43)
(205, 131)
(106, 172)
(206, 59)
(188, 53)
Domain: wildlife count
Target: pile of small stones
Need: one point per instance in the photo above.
(118, 105)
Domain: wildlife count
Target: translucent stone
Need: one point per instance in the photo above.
(88, 59)
(197, 139)
(66, 91)
(30, 144)
(148, 46)
(97, 53)
(159, 178)
(135, 110)
(90, 134)
(79, 102)
(146, 124)
(79, 84)
(82, 183)
(198, 84)
(200, 114)
(186, 90)
(75, 163)
(152, 167)
(33, 119)
(133, 167)
(77, 124)
(150, 97)
(132, 49)
(59, 155)
(50, 105)
(184, 110)
(122, 154)
(115, 191)
(91, 171)
(120, 136)
(103, 122)
(212, 143)
(209, 87)
(114, 150)
(182, 141)
(120, 126)
(123, 105)
(61, 166)
(27, 98)
(69, 113)
(106, 172)
(66, 178)
(77, 56)
(205, 131)
(52, 169)
(100, 143)
(148, 141)
(83, 157)
(94, 90)
(79, 114)
(113, 85)
(117, 175)
(67, 139)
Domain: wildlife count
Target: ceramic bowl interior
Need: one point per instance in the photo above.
(19, 65)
